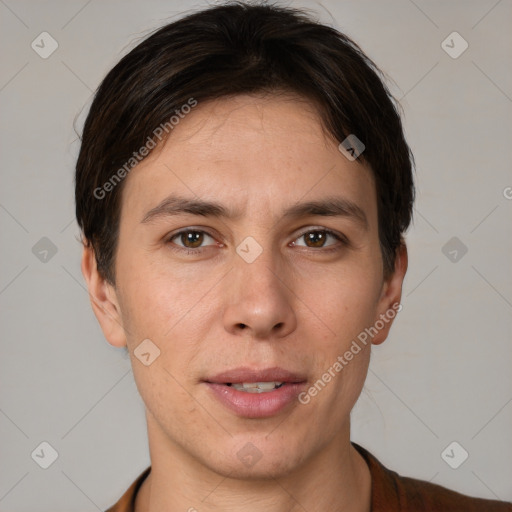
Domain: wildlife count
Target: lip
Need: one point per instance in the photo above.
(246, 374)
(256, 405)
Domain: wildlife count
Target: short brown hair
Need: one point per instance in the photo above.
(236, 49)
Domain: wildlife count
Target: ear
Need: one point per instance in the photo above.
(103, 300)
(389, 301)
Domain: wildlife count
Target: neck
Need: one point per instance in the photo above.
(337, 479)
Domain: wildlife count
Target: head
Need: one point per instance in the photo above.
(222, 222)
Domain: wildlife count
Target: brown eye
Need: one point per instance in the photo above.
(191, 239)
(318, 239)
(315, 238)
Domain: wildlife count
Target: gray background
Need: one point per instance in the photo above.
(444, 373)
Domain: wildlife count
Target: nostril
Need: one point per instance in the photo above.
(242, 326)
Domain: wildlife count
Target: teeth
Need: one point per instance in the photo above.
(257, 387)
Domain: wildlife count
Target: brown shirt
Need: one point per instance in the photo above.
(390, 493)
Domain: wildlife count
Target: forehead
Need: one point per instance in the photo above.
(262, 152)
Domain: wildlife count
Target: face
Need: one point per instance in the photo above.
(248, 252)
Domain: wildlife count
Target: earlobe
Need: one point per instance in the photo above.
(103, 300)
(389, 302)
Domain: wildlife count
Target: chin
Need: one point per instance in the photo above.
(256, 458)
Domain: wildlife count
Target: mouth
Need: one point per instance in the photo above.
(255, 387)
(266, 378)
(257, 393)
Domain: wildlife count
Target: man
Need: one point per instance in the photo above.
(243, 188)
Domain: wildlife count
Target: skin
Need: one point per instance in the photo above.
(301, 306)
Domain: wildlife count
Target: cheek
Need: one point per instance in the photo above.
(341, 306)
(346, 301)
(171, 308)
(157, 299)
(155, 308)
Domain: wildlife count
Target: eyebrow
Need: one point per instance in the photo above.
(327, 207)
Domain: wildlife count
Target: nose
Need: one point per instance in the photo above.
(259, 300)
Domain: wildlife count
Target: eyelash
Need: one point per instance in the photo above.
(199, 250)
